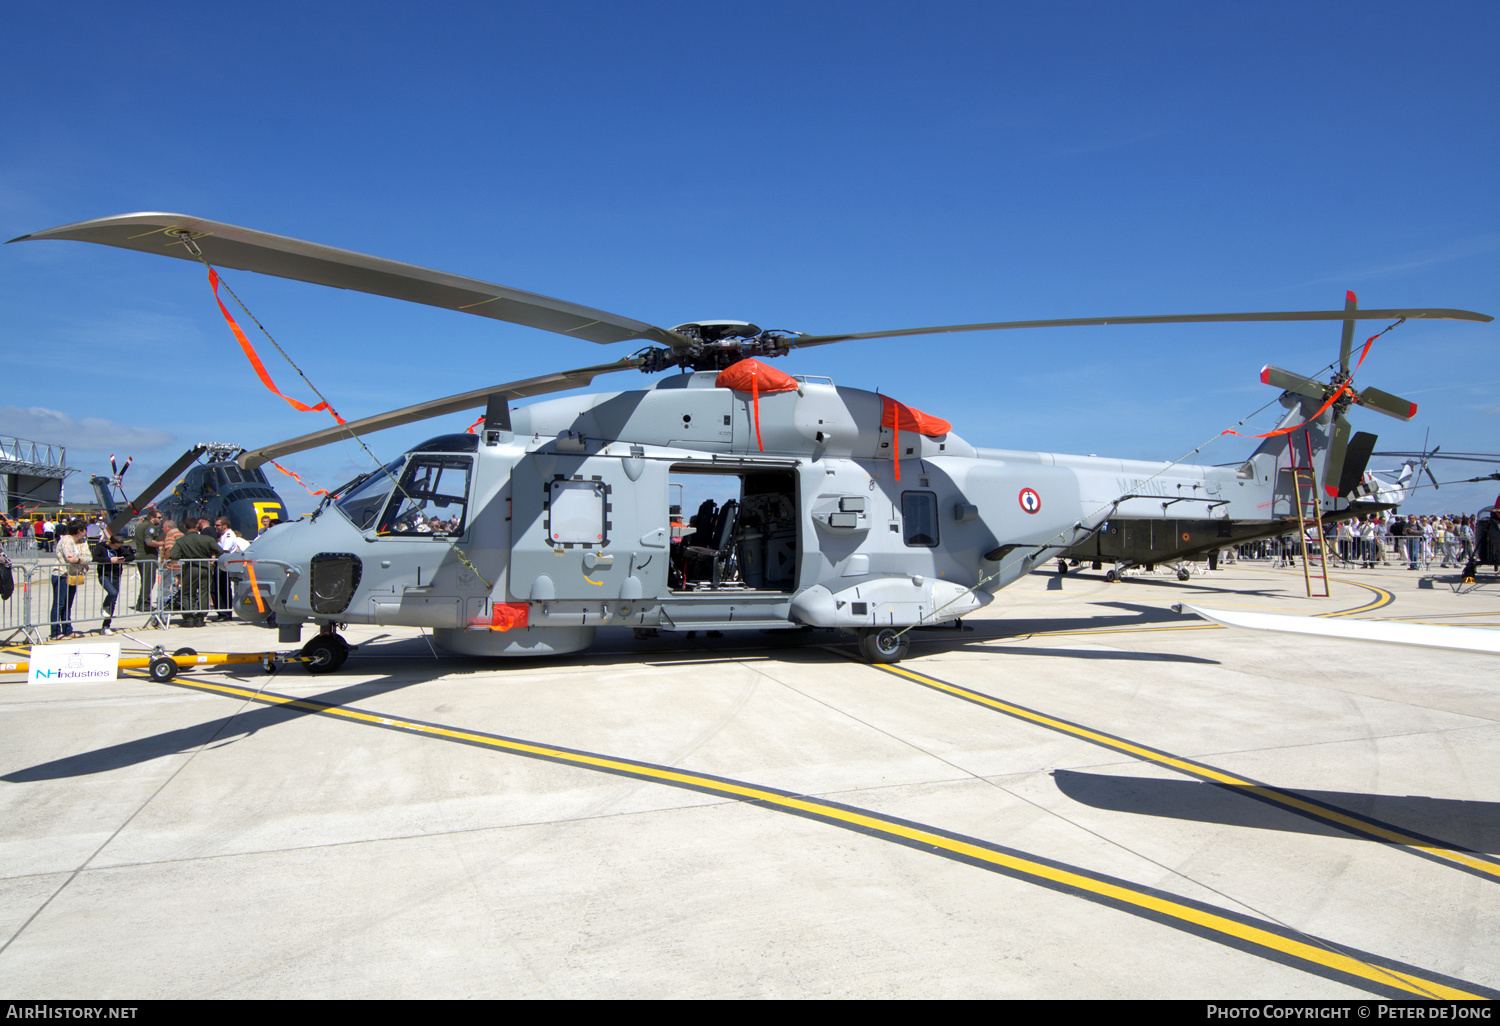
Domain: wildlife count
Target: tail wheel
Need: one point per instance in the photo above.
(882, 644)
(325, 653)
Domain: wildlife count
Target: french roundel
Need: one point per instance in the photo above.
(1031, 502)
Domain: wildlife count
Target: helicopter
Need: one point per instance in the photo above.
(218, 488)
(840, 508)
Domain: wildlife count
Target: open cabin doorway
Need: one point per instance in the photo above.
(733, 530)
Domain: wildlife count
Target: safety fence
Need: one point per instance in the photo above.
(20, 546)
(136, 596)
(1383, 549)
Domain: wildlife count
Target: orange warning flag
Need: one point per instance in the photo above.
(260, 368)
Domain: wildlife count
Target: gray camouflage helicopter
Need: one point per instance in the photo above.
(837, 507)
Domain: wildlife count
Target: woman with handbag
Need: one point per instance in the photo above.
(73, 560)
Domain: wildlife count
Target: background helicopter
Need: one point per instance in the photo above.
(847, 509)
(218, 488)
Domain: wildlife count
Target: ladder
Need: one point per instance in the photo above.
(1309, 513)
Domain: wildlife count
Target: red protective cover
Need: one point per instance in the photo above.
(752, 375)
(911, 419)
(505, 615)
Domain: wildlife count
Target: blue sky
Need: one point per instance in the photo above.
(820, 167)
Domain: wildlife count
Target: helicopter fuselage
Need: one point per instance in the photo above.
(525, 541)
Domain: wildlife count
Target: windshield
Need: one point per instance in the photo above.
(365, 502)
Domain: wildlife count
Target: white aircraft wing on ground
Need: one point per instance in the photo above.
(1462, 639)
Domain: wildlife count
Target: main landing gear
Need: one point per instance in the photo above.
(883, 644)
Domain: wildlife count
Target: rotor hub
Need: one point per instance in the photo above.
(715, 345)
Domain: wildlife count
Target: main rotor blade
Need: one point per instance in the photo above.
(1383, 402)
(1290, 382)
(225, 245)
(1073, 322)
(559, 382)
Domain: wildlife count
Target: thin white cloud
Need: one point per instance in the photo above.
(1459, 249)
(39, 424)
(1100, 146)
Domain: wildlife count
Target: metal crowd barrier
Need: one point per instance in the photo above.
(21, 546)
(150, 594)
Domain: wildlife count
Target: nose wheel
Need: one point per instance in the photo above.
(325, 653)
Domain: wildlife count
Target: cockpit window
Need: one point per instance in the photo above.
(364, 503)
(432, 497)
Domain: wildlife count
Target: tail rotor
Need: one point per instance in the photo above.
(1369, 397)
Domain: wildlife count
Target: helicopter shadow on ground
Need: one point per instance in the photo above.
(401, 663)
(1470, 826)
(982, 635)
(214, 733)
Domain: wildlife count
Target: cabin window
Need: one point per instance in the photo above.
(578, 512)
(919, 517)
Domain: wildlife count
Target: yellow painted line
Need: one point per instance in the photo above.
(1243, 932)
(1382, 598)
(1203, 771)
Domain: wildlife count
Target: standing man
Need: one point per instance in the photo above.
(196, 549)
(222, 590)
(147, 542)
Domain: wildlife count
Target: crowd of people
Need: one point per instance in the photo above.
(174, 562)
(1383, 539)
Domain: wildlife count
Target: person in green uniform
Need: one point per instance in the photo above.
(198, 549)
(147, 541)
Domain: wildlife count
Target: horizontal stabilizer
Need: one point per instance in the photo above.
(1356, 459)
(1461, 639)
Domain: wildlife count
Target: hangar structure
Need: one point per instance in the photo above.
(31, 474)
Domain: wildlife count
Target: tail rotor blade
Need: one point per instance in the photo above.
(1333, 476)
(1346, 345)
(1290, 382)
(1384, 402)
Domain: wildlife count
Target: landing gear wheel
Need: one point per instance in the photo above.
(162, 669)
(1062, 567)
(325, 653)
(882, 644)
(1182, 574)
(1111, 576)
